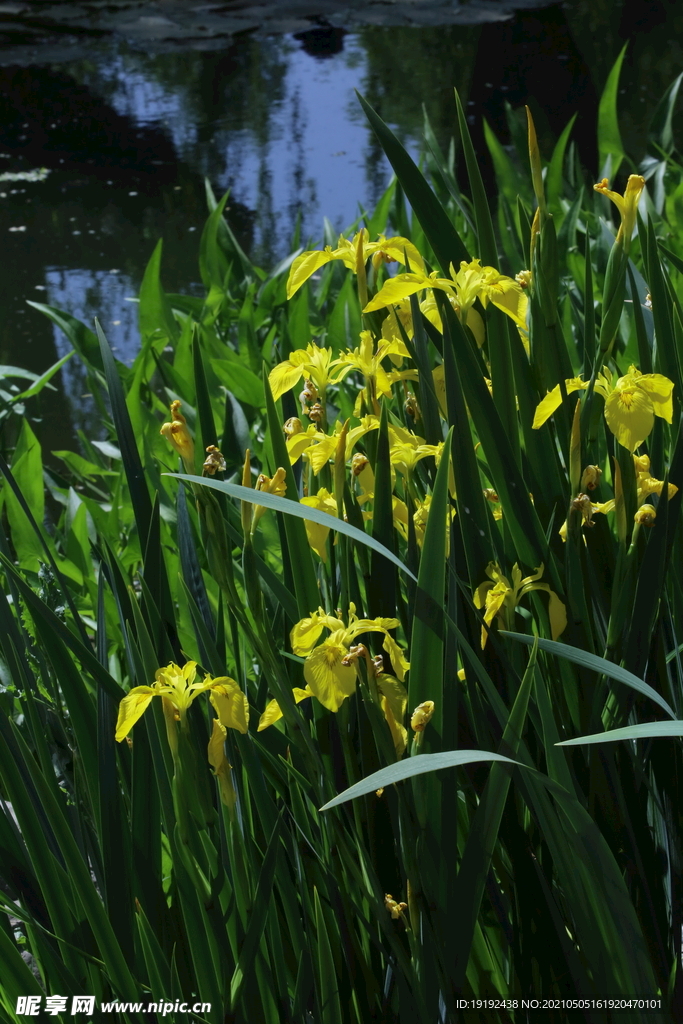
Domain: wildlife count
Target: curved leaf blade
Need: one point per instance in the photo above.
(412, 766)
(645, 731)
(294, 508)
(592, 661)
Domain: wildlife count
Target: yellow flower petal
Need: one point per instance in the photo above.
(216, 748)
(553, 400)
(304, 266)
(221, 766)
(298, 443)
(476, 325)
(132, 707)
(399, 733)
(660, 392)
(558, 615)
(398, 248)
(395, 693)
(397, 656)
(630, 416)
(283, 377)
(507, 295)
(273, 711)
(398, 288)
(230, 703)
(322, 451)
(329, 680)
(317, 534)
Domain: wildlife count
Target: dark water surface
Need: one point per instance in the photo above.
(128, 137)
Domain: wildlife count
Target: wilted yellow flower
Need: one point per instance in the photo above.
(383, 250)
(394, 908)
(582, 503)
(646, 483)
(422, 715)
(630, 405)
(179, 436)
(626, 204)
(214, 462)
(500, 598)
(646, 515)
(292, 426)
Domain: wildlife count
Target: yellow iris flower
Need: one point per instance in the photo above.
(177, 688)
(498, 597)
(406, 449)
(312, 362)
(383, 250)
(470, 282)
(329, 671)
(630, 405)
(322, 447)
(368, 360)
(626, 204)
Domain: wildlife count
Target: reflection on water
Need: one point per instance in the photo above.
(128, 138)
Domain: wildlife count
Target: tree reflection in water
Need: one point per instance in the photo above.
(129, 137)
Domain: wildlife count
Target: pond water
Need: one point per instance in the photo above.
(128, 137)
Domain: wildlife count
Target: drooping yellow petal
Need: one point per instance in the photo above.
(283, 377)
(508, 296)
(398, 659)
(399, 733)
(648, 485)
(306, 632)
(630, 416)
(398, 288)
(132, 707)
(660, 392)
(394, 701)
(397, 248)
(558, 615)
(491, 598)
(367, 424)
(390, 325)
(553, 400)
(273, 711)
(315, 532)
(304, 266)
(230, 703)
(476, 325)
(395, 694)
(298, 443)
(327, 678)
(322, 451)
(222, 768)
